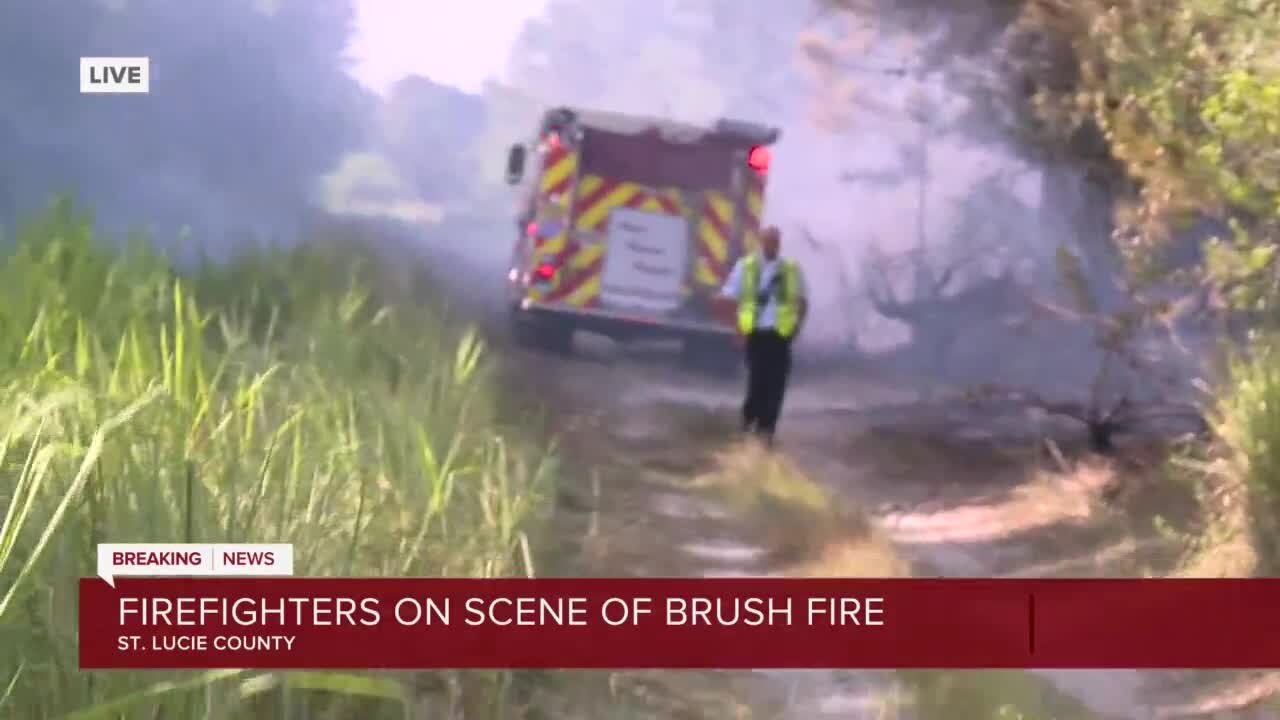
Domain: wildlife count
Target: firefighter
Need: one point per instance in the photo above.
(771, 303)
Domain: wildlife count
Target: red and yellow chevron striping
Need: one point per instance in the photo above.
(753, 213)
(715, 229)
(597, 197)
(580, 283)
(560, 166)
(555, 187)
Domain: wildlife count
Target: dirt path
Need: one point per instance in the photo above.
(981, 518)
(933, 477)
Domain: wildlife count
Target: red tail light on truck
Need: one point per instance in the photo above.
(545, 272)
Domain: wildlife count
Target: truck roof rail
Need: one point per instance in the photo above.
(729, 129)
(749, 131)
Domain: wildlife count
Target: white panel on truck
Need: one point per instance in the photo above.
(646, 261)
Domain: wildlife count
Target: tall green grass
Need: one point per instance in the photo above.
(285, 397)
(1246, 420)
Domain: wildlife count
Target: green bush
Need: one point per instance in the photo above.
(274, 399)
(1247, 422)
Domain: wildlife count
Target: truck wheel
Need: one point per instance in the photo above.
(521, 329)
(717, 357)
(556, 337)
(547, 335)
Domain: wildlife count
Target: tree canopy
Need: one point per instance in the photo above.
(677, 58)
(1179, 100)
(249, 103)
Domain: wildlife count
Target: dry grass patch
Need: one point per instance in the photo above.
(988, 695)
(823, 537)
(803, 525)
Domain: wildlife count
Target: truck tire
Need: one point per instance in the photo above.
(556, 337)
(542, 334)
(714, 356)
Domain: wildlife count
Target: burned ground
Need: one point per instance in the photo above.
(869, 480)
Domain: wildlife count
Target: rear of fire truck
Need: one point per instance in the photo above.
(629, 226)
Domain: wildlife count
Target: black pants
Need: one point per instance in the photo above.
(768, 366)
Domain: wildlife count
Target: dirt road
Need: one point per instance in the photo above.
(956, 492)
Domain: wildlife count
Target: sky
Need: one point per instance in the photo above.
(454, 43)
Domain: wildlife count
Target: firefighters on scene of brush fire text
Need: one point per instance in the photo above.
(769, 304)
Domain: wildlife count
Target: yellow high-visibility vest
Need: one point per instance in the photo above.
(788, 303)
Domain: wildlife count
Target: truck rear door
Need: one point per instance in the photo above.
(654, 224)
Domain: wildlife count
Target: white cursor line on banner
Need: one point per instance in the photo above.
(193, 560)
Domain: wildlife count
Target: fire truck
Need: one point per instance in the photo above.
(628, 226)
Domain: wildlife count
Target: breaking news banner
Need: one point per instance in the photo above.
(192, 560)
(195, 616)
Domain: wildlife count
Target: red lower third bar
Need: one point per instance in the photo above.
(677, 623)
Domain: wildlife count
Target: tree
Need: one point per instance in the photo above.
(1170, 103)
(427, 131)
(1154, 123)
(713, 58)
(1129, 388)
(232, 136)
(683, 59)
(939, 309)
